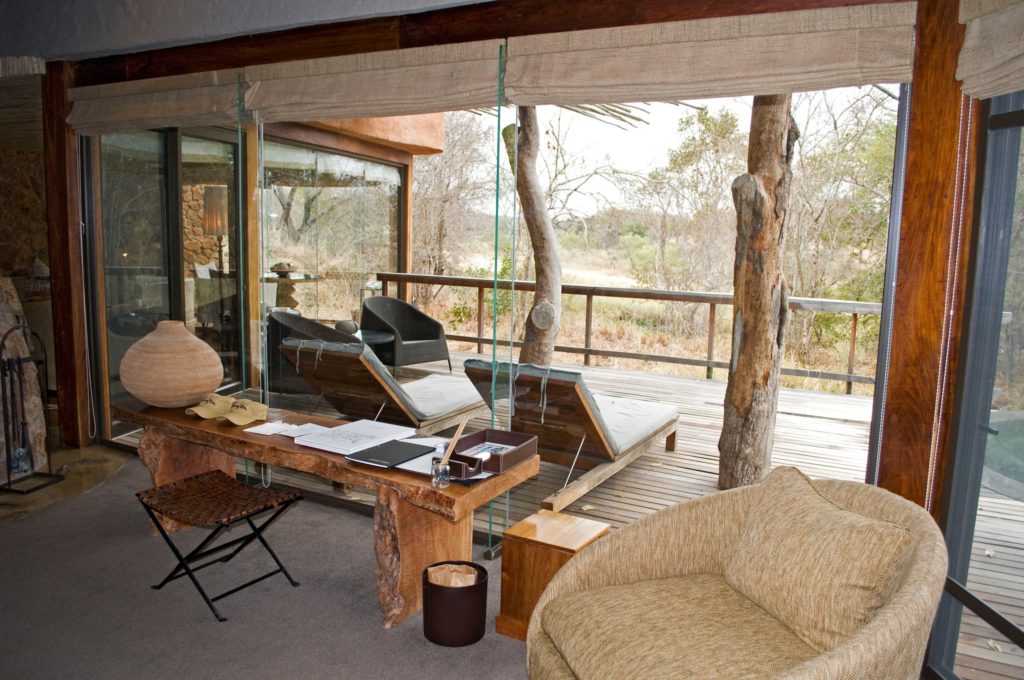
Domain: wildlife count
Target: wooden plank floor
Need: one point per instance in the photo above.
(823, 434)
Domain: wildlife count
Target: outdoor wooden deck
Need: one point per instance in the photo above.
(825, 435)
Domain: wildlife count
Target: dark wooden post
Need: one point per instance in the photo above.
(67, 276)
(851, 360)
(935, 231)
(760, 295)
(711, 340)
(480, 318)
(588, 330)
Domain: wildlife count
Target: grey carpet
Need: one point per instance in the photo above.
(75, 602)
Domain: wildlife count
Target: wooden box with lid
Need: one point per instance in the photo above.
(533, 551)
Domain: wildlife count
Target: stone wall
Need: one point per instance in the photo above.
(199, 248)
(22, 210)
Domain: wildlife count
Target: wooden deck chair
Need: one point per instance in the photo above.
(574, 426)
(354, 381)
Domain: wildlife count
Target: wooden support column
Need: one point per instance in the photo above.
(67, 277)
(934, 236)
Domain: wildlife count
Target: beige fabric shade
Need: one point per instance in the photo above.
(992, 58)
(732, 56)
(209, 98)
(391, 83)
(21, 103)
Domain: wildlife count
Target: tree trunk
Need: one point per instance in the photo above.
(545, 315)
(759, 295)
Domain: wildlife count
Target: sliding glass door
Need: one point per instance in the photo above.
(133, 250)
(978, 631)
(166, 244)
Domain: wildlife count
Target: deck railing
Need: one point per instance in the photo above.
(712, 300)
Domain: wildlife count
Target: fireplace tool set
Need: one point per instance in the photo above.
(18, 448)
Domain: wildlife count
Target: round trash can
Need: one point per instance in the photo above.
(455, 617)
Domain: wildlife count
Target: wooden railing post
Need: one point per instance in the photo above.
(587, 330)
(853, 352)
(711, 340)
(384, 287)
(480, 318)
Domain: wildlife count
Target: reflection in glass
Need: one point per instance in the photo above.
(210, 249)
(330, 223)
(134, 244)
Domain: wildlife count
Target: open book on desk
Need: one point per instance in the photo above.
(355, 436)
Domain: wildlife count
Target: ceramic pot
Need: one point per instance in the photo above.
(170, 367)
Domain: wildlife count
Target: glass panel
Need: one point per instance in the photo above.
(982, 652)
(134, 245)
(330, 223)
(985, 518)
(210, 248)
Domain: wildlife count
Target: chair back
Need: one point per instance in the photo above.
(382, 313)
(553, 404)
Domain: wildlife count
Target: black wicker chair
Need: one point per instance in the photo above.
(417, 337)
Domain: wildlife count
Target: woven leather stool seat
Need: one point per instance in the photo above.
(212, 498)
(216, 501)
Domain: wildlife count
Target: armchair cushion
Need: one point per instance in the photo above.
(802, 558)
(719, 633)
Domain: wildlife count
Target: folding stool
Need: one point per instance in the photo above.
(214, 499)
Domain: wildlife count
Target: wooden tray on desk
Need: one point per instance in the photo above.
(524, 446)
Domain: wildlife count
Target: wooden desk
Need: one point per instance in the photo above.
(414, 524)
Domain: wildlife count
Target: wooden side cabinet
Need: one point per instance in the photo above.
(532, 553)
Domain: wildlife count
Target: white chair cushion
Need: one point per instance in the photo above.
(438, 394)
(630, 421)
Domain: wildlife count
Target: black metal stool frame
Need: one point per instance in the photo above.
(201, 552)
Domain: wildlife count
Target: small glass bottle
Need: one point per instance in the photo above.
(438, 475)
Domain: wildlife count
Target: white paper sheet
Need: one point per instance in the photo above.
(275, 427)
(301, 430)
(355, 436)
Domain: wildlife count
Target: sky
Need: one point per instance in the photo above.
(637, 149)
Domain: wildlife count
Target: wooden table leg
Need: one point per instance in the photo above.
(407, 539)
(170, 459)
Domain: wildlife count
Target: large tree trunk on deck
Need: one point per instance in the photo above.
(759, 295)
(545, 315)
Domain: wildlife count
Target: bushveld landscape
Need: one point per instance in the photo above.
(670, 226)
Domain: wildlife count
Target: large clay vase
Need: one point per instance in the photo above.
(170, 367)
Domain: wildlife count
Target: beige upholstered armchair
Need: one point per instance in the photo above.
(786, 579)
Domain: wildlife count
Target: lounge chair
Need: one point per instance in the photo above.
(573, 425)
(282, 325)
(415, 338)
(354, 381)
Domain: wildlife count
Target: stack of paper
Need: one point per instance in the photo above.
(355, 436)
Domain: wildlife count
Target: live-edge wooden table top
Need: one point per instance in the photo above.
(453, 503)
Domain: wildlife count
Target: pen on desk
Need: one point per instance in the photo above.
(454, 441)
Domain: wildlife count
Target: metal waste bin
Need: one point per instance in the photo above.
(455, 617)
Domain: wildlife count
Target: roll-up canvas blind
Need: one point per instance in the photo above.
(397, 82)
(731, 56)
(992, 58)
(209, 98)
(21, 103)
